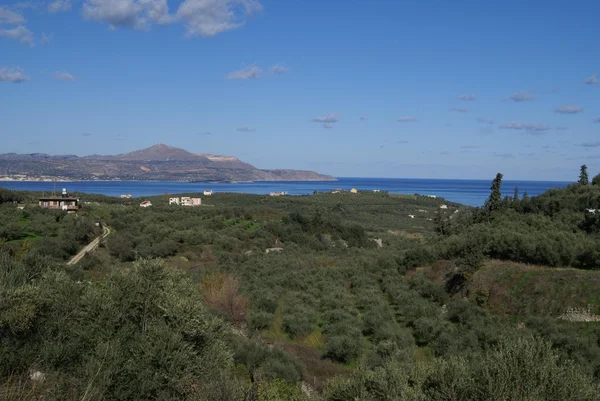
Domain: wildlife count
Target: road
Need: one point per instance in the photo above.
(89, 247)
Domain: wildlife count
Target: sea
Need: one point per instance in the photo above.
(466, 192)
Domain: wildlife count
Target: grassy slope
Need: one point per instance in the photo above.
(516, 289)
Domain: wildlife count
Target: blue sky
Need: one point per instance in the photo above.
(382, 88)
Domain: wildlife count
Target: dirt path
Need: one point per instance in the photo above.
(89, 247)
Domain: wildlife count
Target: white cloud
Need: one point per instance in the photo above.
(14, 75)
(202, 18)
(406, 119)
(246, 129)
(7, 16)
(569, 109)
(504, 155)
(327, 118)
(522, 96)
(45, 39)
(467, 98)
(206, 18)
(483, 120)
(57, 6)
(137, 14)
(252, 72)
(531, 128)
(279, 69)
(19, 33)
(63, 76)
(593, 80)
(459, 109)
(590, 144)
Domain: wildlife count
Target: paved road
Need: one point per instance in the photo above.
(89, 247)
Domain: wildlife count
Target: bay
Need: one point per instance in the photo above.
(467, 192)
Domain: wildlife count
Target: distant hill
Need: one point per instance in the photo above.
(156, 163)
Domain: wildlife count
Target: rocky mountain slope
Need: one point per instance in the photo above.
(156, 163)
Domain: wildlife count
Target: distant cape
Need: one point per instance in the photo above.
(156, 163)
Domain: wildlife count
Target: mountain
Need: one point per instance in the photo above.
(161, 152)
(156, 163)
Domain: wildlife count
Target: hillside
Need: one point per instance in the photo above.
(156, 163)
(323, 297)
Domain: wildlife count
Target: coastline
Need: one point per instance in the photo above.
(19, 178)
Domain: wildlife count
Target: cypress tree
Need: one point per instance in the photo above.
(583, 176)
(516, 195)
(495, 200)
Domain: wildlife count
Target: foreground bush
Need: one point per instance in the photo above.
(523, 369)
(141, 334)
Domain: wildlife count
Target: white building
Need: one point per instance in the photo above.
(146, 204)
(208, 192)
(187, 201)
(444, 207)
(173, 201)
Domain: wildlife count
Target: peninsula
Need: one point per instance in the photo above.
(156, 163)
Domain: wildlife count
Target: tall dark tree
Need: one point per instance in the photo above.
(516, 194)
(583, 176)
(596, 180)
(494, 202)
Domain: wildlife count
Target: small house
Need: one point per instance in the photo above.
(173, 201)
(126, 196)
(354, 191)
(146, 204)
(278, 194)
(64, 202)
(444, 207)
(208, 192)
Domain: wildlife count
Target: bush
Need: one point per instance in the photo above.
(343, 343)
(260, 320)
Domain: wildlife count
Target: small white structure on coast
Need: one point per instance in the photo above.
(146, 204)
(278, 193)
(444, 207)
(126, 196)
(208, 192)
(432, 196)
(173, 201)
